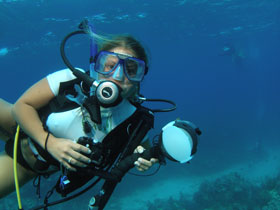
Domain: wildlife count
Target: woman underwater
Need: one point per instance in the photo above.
(121, 60)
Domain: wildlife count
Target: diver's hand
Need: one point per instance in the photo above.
(142, 164)
(68, 153)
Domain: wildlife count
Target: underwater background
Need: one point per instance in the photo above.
(218, 60)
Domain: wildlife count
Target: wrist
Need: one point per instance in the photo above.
(46, 142)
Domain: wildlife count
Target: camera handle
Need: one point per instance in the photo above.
(120, 170)
(126, 164)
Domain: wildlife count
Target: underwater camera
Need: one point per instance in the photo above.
(177, 142)
(99, 154)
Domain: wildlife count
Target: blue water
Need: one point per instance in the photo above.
(234, 102)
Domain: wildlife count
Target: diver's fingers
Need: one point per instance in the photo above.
(154, 160)
(68, 166)
(80, 148)
(79, 159)
(75, 162)
(72, 160)
(139, 169)
(142, 168)
(143, 164)
(147, 163)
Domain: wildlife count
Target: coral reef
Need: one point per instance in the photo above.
(231, 192)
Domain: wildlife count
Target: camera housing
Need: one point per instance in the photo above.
(99, 154)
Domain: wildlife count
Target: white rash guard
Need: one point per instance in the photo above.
(69, 124)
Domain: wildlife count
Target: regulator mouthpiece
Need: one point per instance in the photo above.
(108, 94)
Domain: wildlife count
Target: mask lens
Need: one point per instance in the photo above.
(106, 63)
(135, 69)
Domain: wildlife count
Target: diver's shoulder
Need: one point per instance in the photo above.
(64, 74)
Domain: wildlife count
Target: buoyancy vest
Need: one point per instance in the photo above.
(115, 141)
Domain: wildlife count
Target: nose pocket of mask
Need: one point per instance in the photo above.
(118, 73)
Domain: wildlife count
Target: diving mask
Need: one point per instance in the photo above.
(115, 65)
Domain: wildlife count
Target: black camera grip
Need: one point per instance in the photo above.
(126, 164)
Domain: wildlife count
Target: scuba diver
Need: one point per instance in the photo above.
(89, 124)
(236, 55)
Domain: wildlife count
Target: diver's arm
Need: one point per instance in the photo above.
(25, 110)
(7, 122)
(25, 113)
